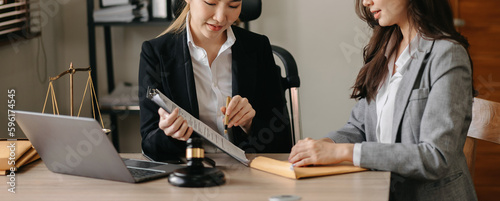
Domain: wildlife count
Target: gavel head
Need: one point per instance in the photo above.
(196, 175)
(195, 153)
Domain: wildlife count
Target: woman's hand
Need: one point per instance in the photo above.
(174, 125)
(240, 113)
(319, 152)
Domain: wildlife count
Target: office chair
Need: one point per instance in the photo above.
(251, 10)
(291, 82)
(485, 125)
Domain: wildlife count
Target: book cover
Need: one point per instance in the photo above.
(284, 168)
(19, 150)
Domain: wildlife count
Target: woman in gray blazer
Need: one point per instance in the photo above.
(414, 103)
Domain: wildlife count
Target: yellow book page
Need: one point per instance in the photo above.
(32, 159)
(21, 146)
(27, 157)
(274, 166)
(315, 171)
(282, 168)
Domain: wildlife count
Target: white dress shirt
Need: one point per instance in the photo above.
(213, 83)
(386, 96)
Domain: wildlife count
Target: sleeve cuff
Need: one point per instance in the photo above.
(356, 155)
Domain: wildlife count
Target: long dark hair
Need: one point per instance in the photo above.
(433, 19)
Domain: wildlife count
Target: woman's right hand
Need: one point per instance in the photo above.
(319, 152)
(174, 125)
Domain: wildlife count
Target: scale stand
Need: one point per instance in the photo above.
(90, 84)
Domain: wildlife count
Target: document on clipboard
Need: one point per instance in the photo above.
(199, 127)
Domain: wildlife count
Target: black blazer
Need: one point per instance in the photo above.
(166, 65)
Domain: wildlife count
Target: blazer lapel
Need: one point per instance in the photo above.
(181, 77)
(406, 86)
(371, 123)
(244, 74)
(189, 75)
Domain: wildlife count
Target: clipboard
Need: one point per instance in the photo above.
(199, 127)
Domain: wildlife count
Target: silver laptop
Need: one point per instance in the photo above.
(78, 146)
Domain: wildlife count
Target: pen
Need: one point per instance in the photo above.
(226, 118)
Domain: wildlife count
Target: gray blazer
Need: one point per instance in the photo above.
(431, 119)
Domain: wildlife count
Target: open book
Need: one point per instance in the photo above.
(284, 168)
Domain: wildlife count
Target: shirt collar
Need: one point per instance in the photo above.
(406, 55)
(190, 40)
(230, 39)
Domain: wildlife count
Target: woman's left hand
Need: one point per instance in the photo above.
(319, 152)
(240, 113)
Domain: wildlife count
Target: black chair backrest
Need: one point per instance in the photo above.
(250, 10)
(292, 78)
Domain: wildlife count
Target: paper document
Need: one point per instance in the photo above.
(201, 128)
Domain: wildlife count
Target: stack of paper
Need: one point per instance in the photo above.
(113, 2)
(115, 14)
(123, 13)
(123, 95)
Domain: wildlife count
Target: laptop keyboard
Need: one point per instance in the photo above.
(141, 173)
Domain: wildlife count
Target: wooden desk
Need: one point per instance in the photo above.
(36, 182)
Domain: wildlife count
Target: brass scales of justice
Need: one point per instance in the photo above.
(90, 84)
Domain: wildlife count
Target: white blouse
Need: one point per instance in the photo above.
(213, 83)
(386, 96)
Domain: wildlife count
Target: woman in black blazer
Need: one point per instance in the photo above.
(203, 40)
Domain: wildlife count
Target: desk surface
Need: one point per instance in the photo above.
(36, 182)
